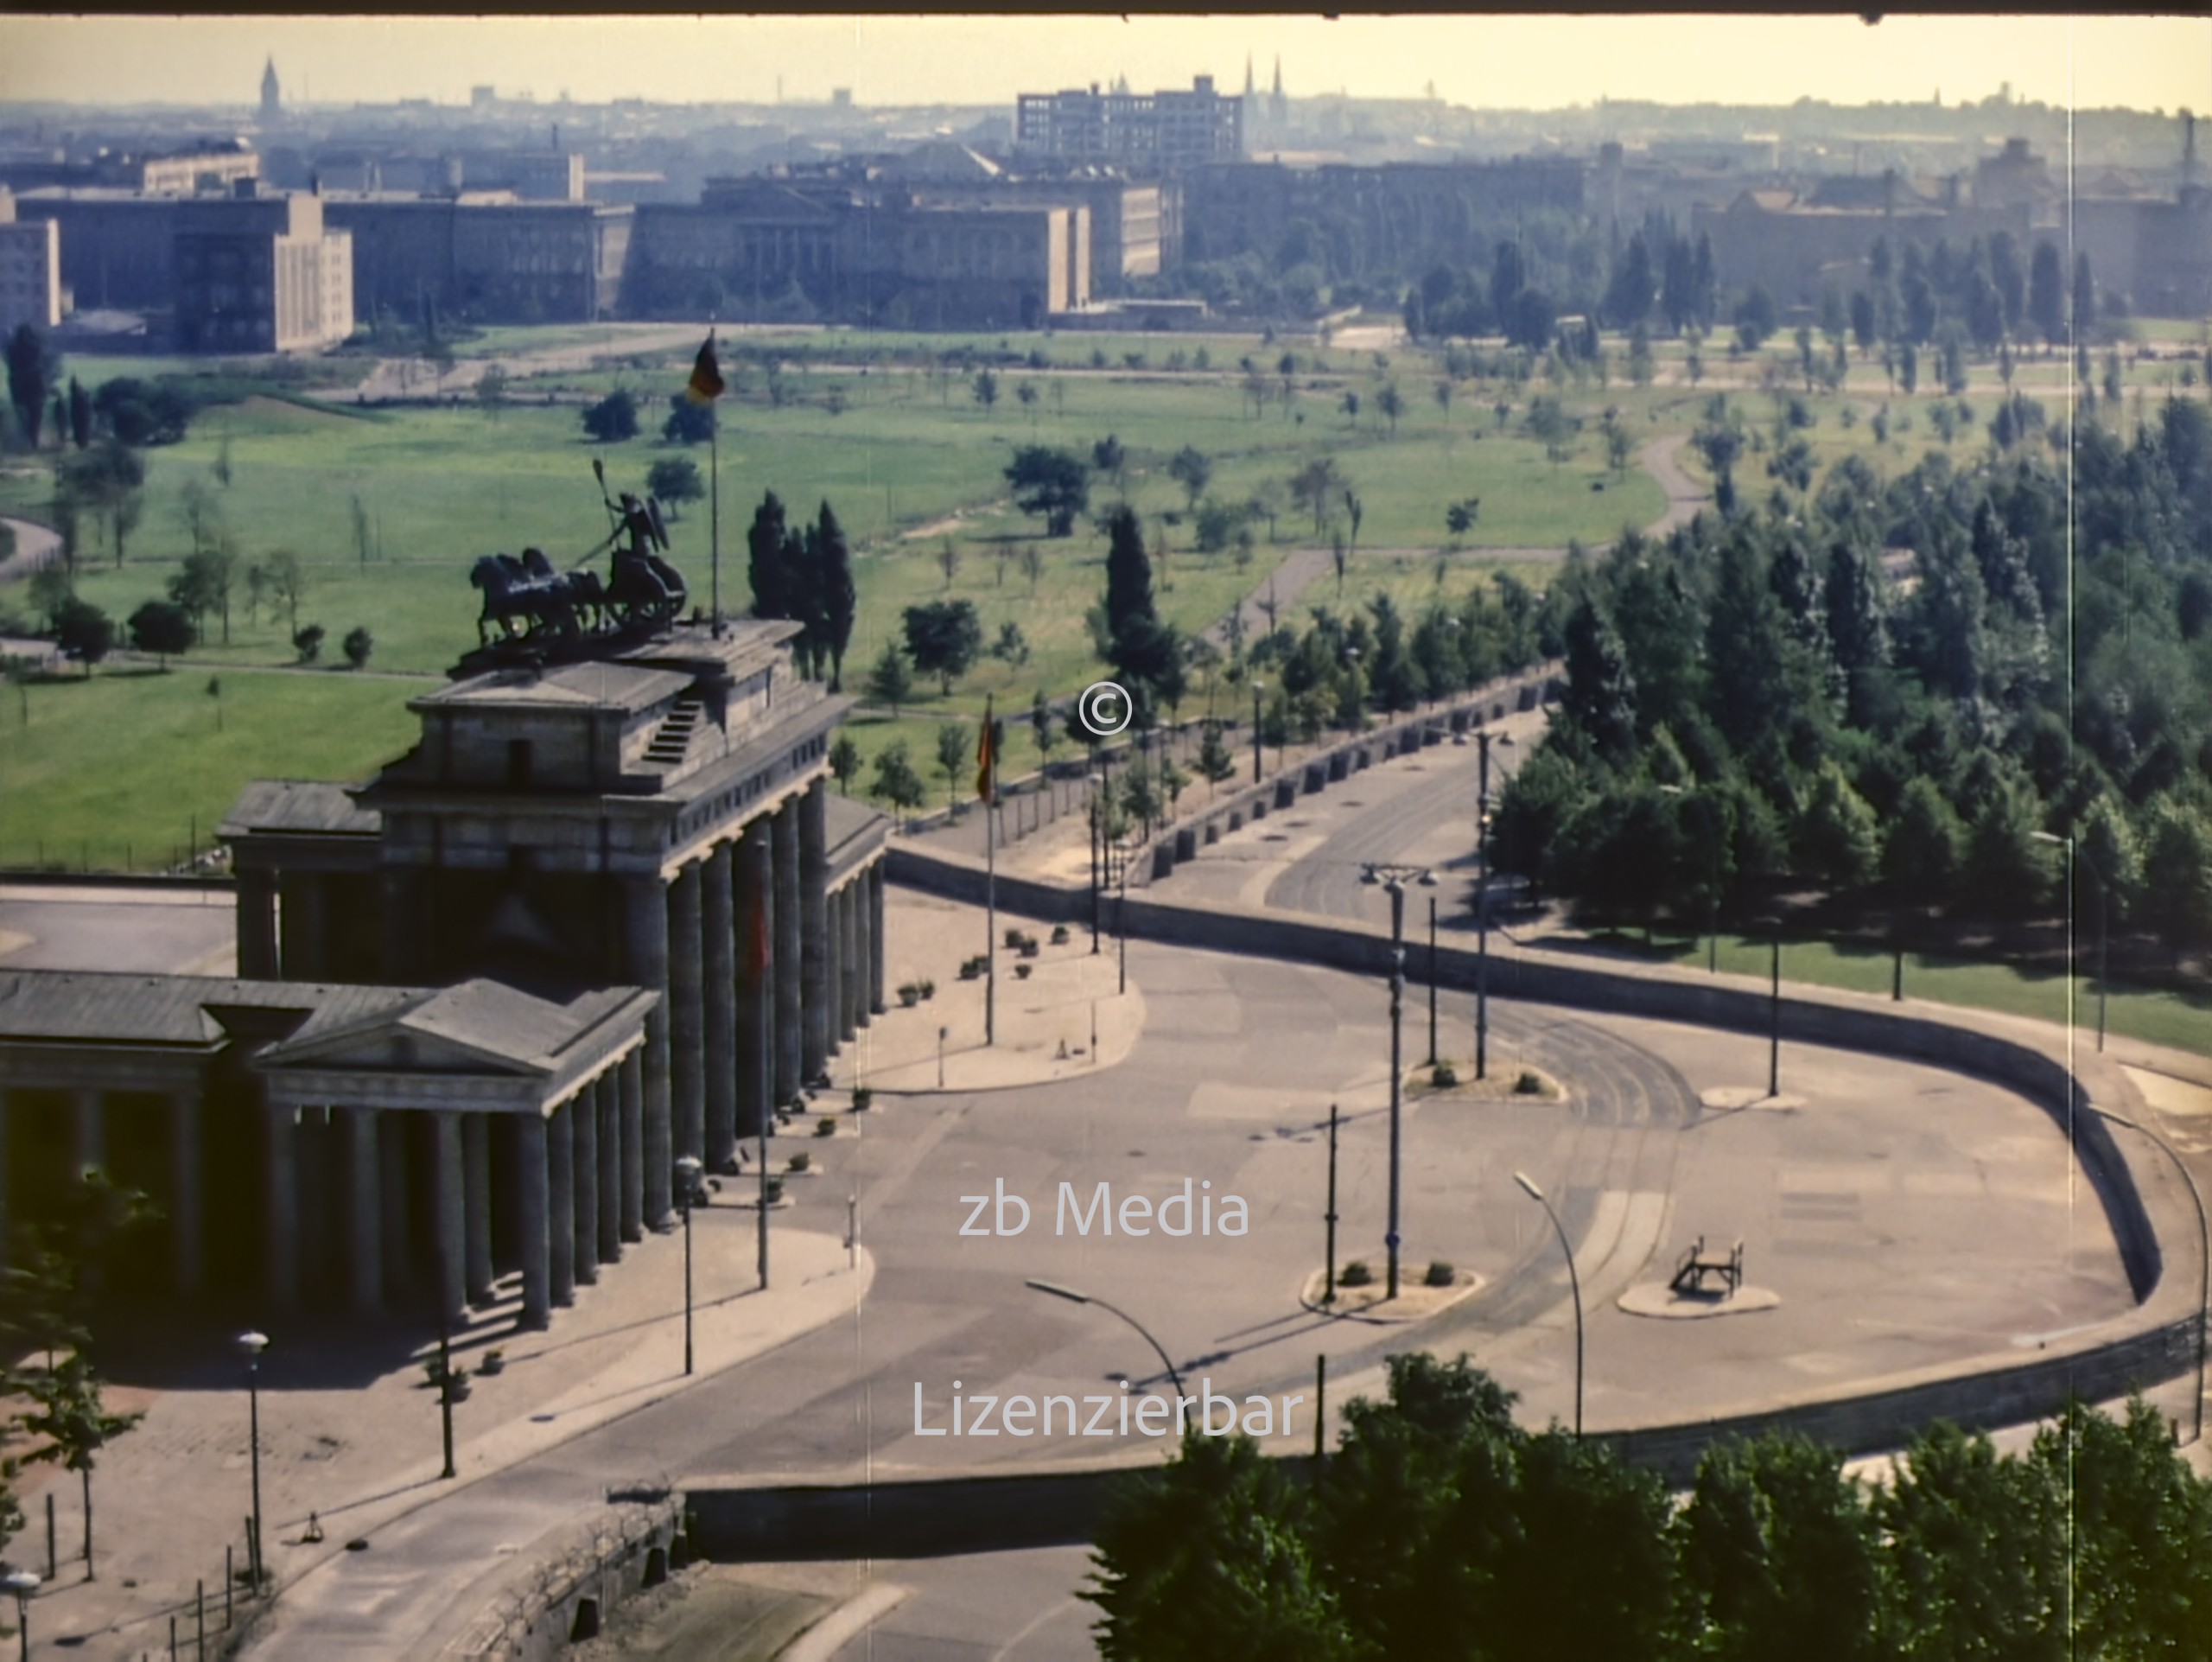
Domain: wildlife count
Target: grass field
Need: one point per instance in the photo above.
(2155, 1016)
(900, 447)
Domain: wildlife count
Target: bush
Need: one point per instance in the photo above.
(357, 645)
(1059, 935)
(801, 1161)
(1528, 1085)
(825, 1126)
(863, 1098)
(1440, 1274)
(1444, 1076)
(1356, 1274)
(772, 1189)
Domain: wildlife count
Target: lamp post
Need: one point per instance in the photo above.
(250, 1345)
(1394, 880)
(1774, 1008)
(1432, 981)
(1120, 856)
(1482, 901)
(2203, 1259)
(1074, 1297)
(1097, 838)
(2076, 852)
(445, 1375)
(1573, 1282)
(687, 1168)
(1258, 687)
(22, 1583)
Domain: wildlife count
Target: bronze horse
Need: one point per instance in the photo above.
(527, 598)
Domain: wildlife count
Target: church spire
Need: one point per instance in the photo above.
(271, 94)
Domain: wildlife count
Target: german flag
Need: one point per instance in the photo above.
(706, 383)
(986, 757)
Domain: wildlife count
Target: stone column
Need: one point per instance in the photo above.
(257, 924)
(631, 1113)
(864, 947)
(188, 1243)
(686, 1021)
(756, 1045)
(607, 1105)
(721, 1146)
(533, 1237)
(561, 1203)
(449, 1204)
(281, 1243)
(476, 1195)
(784, 967)
(392, 1189)
(875, 937)
(583, 1121)
(645, 917)
(364, 1211)
(849, 961)
(88, 1130)
(817, 952)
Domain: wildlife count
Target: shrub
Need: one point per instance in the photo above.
(1444, 1076)
(1528, 1085)
(1059, 935)
(863, 1098)
(1356, 1274)
(825, 1126)
(801, 1161)
(772, 1189)
(1440, 1274)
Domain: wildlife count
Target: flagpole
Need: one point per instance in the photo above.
(715, 514)
(990, 882)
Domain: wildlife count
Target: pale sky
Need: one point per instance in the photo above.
(1518, 62)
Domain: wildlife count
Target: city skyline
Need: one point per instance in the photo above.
(2145, 63)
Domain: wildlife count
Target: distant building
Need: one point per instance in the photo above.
(272, 99)
(488, 258)
(262, 274)
(30, 271)
(534, 176)
(1164, 131)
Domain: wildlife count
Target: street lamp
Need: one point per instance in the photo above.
(1097, 838)
(1258, 687)
(2076, 852)
(1074, 1297)
(250, 1345)
(1774, 1008)
(2204, 1254)
(22, 1583)
(1481, 902)
(1394, 879)
(1573, 1282)
(687, 1168)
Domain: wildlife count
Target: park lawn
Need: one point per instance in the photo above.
(122, 770)
(2154, 1015)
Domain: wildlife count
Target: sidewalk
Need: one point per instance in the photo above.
(1067, 1017)
(350, 1432)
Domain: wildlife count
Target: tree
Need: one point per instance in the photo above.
(307, 643)
(1314, 487)
(1053, 483)
(1600, 692)
(162, 628)
(1189, 468)
(2047, 293)
(987, 389)
(81, 415)
(203, 584)
(1042, 727)
(895, 779)
(2085, 297)
(948, 560)
(287, 584)
(491, 390)
(1628, 297)
(844, 763)
(1129, 574)
(890, 681)
(675, 480)
(688, 421)
(68, 1414)
(83, 632)
(357, 645)
(769, 564)
(1754, 318)
(1215, 763)
(952, 753)
(1033, 565)
(33, 367)
(1391, 404)
(838, 597)
(613, 419)
(1111, 460)
(945, 637)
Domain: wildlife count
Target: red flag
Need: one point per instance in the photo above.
(986, 757)
(706, 383)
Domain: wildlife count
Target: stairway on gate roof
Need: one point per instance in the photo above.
(673, 741)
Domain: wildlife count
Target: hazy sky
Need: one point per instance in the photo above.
(1512, 62)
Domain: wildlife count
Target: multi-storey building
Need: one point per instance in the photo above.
(1167, 131)
(31, 270)
(261, 274)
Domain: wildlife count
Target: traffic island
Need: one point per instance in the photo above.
(1422, 1292)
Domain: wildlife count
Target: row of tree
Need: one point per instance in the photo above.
(1438, 1528)
(1912, 689)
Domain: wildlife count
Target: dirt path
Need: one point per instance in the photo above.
(1684, 494)
(35, 545)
